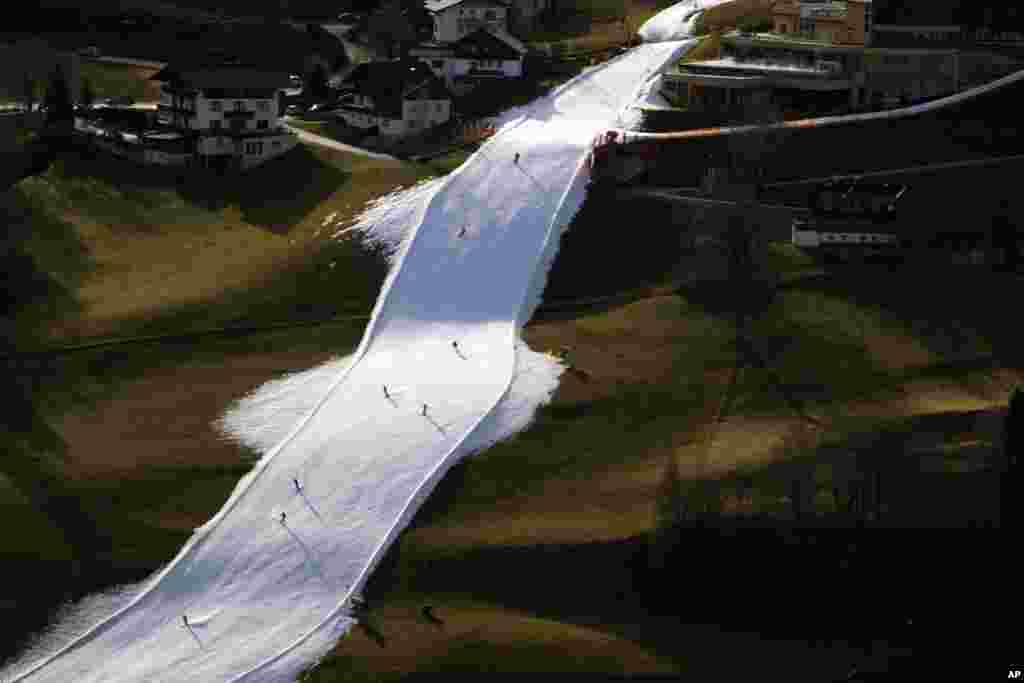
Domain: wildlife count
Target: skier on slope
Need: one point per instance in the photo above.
(284, 516)
(516, 160)
(298, 486)
(386, 394)
(462, 231)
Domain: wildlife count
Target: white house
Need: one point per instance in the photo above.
(396, 97)
(454, 19)
(228, 111)
(478, 55)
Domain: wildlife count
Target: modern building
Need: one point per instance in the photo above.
(847, 22)
(811, 75)
(482, 54)
(228, 111)
(395, 98)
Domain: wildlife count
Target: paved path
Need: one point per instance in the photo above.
(314, 139)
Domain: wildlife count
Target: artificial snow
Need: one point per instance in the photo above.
(270, 598)
(676, 22)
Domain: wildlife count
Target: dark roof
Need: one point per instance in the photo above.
(439, 5)
(388, 83)
(212, 71)
(482, 43)
(915, 13)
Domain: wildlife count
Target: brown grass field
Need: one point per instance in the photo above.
(904, 360)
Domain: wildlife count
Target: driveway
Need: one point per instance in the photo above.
(314, 139)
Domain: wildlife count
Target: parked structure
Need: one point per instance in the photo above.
(395, 98)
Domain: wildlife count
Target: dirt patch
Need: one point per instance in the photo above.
(167, 417)
(630, 344)
(494, 638)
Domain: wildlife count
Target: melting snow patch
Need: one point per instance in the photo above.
(388, 220)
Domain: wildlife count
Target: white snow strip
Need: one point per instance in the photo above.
(676, 22)
(371, 435)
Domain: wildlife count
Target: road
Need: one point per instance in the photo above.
(321, 141)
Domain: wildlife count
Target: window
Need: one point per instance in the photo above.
(263, 105)
(239, 105)
(437, 63)
(806, 25)
(437, 107)
(215, 124)
(262, 124)
(216, 105)
(490, 15)
(276, 143)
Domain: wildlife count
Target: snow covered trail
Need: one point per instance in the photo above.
(266, 597)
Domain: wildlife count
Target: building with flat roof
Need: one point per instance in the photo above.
(816, 76)
(844, 22)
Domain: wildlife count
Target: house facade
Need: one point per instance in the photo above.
(229, 112)
(454, 19)
(846, 22)
(397, 98)
(479, 55)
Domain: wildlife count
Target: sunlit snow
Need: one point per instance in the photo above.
(264, 584)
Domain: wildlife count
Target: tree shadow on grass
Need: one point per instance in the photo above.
(276, 195)
(45, 261)
(952, 312)
(607, 250)
(827, 577)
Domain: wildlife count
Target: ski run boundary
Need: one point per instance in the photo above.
(547, 249)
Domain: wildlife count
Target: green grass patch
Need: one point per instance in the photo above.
(144, 250)
(34, 537)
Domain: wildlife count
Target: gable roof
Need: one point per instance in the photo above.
(207, 72)
(441, 5)
(388, 83)
(510, 39)
(481, 43)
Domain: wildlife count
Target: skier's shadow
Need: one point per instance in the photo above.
(309, 504)
(193, 634)
(310, 557)
(437, 426)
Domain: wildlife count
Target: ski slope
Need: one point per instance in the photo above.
(266, 599)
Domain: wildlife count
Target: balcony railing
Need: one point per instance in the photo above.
(172, 109)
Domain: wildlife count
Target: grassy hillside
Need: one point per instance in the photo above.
(141, 250)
